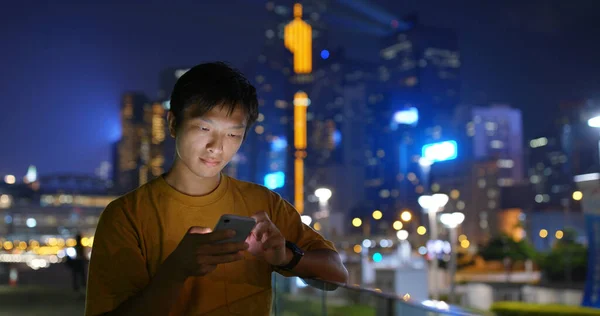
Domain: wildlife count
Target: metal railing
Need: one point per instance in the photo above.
(305, 297)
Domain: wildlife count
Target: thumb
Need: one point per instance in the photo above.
(199, 230)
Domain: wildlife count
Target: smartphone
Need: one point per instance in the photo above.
(242, 225)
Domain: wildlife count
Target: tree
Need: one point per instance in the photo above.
(567, 261)
(504, 247)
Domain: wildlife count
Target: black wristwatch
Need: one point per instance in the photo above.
(297, 255)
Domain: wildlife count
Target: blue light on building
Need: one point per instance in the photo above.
(337, 138)
(274, 180)
(324, 54)
(377, 257)
(442, 151)
(279, 144)
(408, 116)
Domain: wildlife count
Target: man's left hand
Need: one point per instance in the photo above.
(266, 241)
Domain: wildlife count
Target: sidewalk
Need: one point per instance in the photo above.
(40, 301)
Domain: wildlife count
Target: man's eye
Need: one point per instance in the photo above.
(204, 128)
(235, 135)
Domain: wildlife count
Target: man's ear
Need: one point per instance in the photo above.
(171, 122)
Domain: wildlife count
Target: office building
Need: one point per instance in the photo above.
(418, 81)
(422, 66)
(140, 153)
(493, 133)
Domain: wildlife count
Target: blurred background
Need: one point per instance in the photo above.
(450, 149)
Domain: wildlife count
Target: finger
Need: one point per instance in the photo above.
(274, 242)
(199, 230)
(261, 229)
(213, 237)
(219, 249)
(220, 259)
(261, 216)
(205, 269)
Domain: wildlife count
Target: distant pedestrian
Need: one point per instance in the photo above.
(77, 265)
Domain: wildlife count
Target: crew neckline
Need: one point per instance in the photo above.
(192, 200)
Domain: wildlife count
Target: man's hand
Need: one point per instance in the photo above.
(197, 254)
(266, 241)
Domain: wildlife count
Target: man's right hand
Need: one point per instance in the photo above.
(198, 253)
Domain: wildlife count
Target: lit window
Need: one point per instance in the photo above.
(270, 34)
(411, 81)
(281, 104)
(534, 179)
(538, 142)
(471, 129)
(539, 198)
(505, 163)
(481, 183)
(497, 144)
(491, 126)
(419, 189)
(562, 159)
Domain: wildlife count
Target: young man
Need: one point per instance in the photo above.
(154, 252)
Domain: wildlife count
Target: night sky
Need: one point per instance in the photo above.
(64, 66)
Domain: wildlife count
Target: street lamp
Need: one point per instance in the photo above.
(594, 122)
(432, 204)
(452, 221)
(306, 220)
(425, 165)
(323, 194)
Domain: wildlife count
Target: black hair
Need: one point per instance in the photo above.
(213, 84)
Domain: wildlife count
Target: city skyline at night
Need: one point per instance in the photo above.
(78, 69)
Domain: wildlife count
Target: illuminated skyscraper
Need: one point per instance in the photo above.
(497, 133)
(139, 154)
(567, 148)
(423, 64)
(334, 97)
(418, 80)
(168, 78)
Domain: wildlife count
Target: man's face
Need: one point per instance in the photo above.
(206, 144)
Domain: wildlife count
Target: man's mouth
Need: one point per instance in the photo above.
(210, 162)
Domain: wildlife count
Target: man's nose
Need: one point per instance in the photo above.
(215, 145)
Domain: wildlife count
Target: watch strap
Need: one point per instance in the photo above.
(297, 254)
